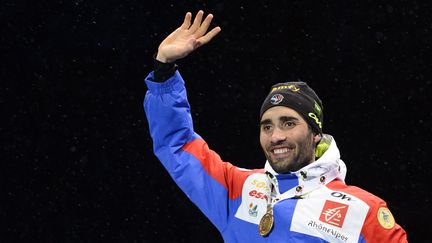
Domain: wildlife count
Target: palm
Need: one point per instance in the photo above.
(178, 44)
(186, 38)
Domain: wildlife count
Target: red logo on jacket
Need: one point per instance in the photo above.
(333, 213)
(257, 194)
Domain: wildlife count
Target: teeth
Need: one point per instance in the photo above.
(280, 151)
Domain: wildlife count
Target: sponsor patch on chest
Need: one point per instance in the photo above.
(332, 216)
(333, 213)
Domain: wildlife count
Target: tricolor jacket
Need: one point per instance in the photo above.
(311, 205)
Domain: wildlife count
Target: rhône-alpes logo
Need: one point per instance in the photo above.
(333, 213)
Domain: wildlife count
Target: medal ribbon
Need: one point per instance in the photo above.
(304, 187)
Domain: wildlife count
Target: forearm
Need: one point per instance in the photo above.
(168, 112)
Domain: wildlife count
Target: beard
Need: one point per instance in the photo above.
(302, 155)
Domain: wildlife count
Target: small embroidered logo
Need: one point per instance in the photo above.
(253, 210)
(276, 99)
(385, 218)
(333, 213)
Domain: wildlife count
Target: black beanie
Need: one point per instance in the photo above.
(299, 97)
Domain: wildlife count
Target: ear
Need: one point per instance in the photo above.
(317, 137)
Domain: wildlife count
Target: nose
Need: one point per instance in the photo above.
(278, 135)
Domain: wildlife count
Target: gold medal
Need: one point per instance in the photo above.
(266, 222)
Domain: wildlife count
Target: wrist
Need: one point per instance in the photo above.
(162, 58)
(163, 70)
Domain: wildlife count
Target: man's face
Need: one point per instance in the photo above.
(286, 139)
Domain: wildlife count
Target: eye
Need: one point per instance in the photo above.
(288, 124)
(266, 127)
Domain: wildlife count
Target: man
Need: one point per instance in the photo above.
(300, 195)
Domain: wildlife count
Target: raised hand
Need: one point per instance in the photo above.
(186, 38)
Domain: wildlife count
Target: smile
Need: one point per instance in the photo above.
(281, 151)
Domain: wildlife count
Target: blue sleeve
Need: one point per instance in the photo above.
(196, 169)
(168, 113)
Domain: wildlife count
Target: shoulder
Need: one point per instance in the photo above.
(367, 197)
(379, 225)
(377, 206)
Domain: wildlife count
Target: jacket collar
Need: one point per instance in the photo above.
(329, 161)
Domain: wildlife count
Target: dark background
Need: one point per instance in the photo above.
(76, 159)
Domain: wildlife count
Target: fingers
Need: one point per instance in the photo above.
(197, 21)
(187, 21)
(199, 28)
(204, 26)
(207, 37)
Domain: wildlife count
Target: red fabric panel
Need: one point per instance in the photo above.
(229, 176)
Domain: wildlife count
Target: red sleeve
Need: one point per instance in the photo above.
(379, 225)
